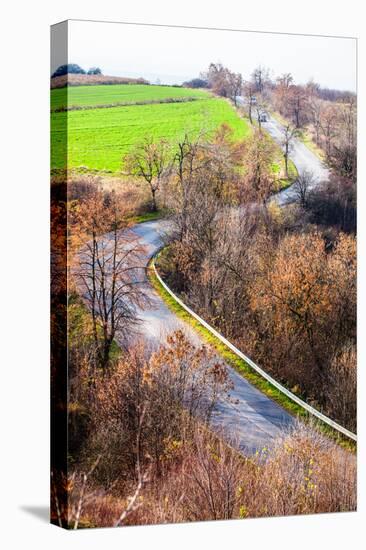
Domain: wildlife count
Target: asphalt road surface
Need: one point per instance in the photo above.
(248, 418)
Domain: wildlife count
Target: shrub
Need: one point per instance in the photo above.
(72, 68)
(196, 83)
(205, 479)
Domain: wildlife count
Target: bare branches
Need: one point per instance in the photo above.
(132, 504)
(260, 78)
(327, 116)
(304, 183)
(85, 477)
(224, 82)
(151, 161)
(141, 478)
(289, 133)
(260, 108)
(110, 275)
(249, 91)
(259, 180)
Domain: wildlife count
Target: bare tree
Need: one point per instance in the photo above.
(259, 181)
(224, 82)
(329, 128)
(345, 148)
(110, 275)
(216, 77)
(260, 108)
(302, 186)
(289, 133)
(342, 386)
(315, 110)
(188, 161)
(133, 503)
(152, 162)
(296, 103)
(285, 80)
(260, 78)
(235, 82)
(249, 90)
(212, 472)
(281, 93)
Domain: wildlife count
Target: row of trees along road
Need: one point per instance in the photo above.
(329, 116)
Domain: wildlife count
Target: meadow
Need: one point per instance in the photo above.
(99, 138)
(118, 93)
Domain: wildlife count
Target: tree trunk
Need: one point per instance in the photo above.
(286, 161)
(154, 206)
(106, 353)
(286, 166)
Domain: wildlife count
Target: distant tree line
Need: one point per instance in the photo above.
(73, 68)
(196, 83)
(220, 80)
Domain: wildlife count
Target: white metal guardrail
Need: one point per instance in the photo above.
(260, 371)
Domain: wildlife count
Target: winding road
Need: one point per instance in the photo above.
(248, 418)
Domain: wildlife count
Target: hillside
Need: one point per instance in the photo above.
(92, 79)
(100, 132)
(119, 94)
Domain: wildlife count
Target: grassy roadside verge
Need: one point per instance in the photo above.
(304, 137)
(284, 183)
(276, 115)
(148, 217)
(278, 165)
(307, 140)
(244, 369)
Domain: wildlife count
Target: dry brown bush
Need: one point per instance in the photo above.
(130, 192)
(145, 423)
(342, 386)
(303, 473)
(286, 298)
(92, 79)
(173, 386)
(205, 479)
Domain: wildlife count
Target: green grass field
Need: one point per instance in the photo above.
(98, 138)
(118, 93)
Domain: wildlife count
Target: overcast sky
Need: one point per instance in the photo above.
(173, 55)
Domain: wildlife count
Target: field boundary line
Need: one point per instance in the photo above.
(251, 363)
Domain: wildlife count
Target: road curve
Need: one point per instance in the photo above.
(248, 417)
